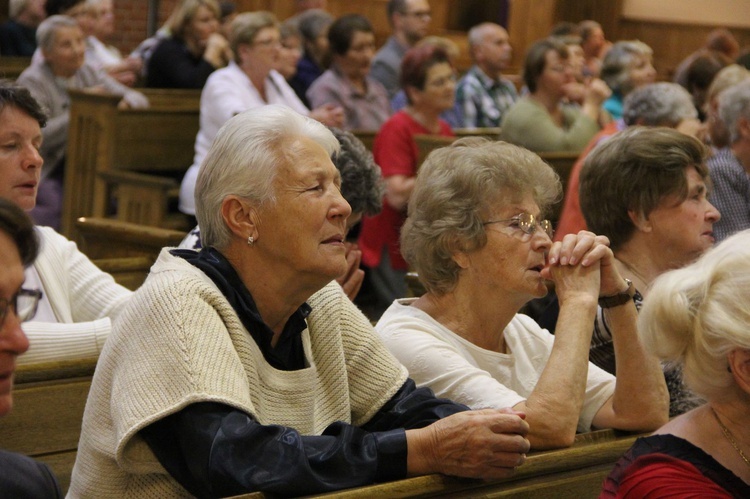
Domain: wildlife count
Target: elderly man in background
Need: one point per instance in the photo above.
(63, 47)
(409, 20)
(483, 94)
(18, 34)
(730, 166)
(20, 476)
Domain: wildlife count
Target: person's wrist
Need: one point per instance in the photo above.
(619, 298)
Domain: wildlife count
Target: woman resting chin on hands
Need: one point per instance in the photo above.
(476, 236)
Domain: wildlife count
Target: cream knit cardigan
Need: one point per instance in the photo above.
(179, 342)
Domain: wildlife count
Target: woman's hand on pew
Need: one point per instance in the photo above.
(487, 443)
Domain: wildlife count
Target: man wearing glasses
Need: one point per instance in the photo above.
(20, 476)
(79, 301)
(410, 20)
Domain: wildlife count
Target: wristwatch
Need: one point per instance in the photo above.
(619, 298)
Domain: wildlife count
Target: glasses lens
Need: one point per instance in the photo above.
(526, 222)
(26, 303)
(546, 226)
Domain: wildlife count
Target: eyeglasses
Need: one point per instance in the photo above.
(527, 223)
(441, 82)
(419, 14)
(23, 304)
(269, 42)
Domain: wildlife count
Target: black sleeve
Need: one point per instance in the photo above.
(214, 450)
(171, 67)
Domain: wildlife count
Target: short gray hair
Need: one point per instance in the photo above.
(45, 33)
(454, 191)
(244, 160)
(658, 104)
(734, 103)
(695, 316)
(247, 25)
(616, 64)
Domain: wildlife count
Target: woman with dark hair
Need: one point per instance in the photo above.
(347, 82)
(313, 26)
(194, 49)
(429, 81)
(540, 121)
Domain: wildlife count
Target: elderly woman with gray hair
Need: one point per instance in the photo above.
(244, 367)
(476, 235)
(626, 66)
(697, 317)
(63, 47)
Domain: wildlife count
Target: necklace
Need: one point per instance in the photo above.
(730, 437)
(635, 273)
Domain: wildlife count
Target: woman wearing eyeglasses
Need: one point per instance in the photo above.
(73, 319)
(476, 235)
(249, 82)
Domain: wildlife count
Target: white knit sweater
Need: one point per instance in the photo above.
(179, 342)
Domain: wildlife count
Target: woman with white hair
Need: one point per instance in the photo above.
(697, 317)
(63, 48)
(244, 367)
(18, 34)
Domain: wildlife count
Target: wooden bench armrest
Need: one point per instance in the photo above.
(107, 229)
(55, 370)
(145, 180)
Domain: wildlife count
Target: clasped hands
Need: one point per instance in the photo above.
(583, 263)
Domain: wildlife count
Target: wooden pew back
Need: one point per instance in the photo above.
(48, 404)
(103, 138)
(12, 67)
(124, 250)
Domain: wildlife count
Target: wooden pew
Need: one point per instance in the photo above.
(106, 238)
(576, 473)
(366, 136)
(48, 404)
(125, 250)
(103, 138)
(12, 67)
(562, 163)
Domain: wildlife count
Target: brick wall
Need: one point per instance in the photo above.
(131, 17)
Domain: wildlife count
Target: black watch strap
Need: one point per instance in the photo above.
(619, 298)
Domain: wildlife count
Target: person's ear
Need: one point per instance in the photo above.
(739, 365)
(641, 221)
(743, 127)
(240, 217)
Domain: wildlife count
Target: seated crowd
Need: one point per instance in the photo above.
(280, 349)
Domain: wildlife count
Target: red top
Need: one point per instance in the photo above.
(396, 153)
(571, 217)
(658, 476)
